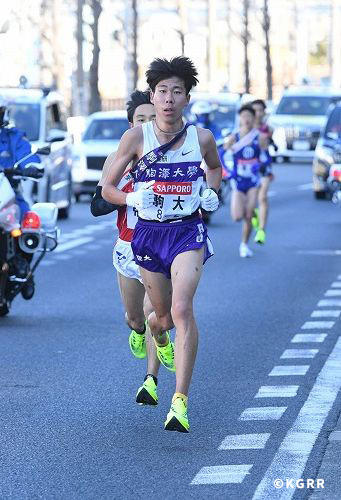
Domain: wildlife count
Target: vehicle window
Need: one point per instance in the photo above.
(50, 120)
(303, 105)
(106, 130)
(55, 118)
(224, 116)
(26, 117)
(333, 127)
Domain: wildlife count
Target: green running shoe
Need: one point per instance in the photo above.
(177, 419)
(255, 219)
(137, 343)
(165, 354)
(147, 393)
(260, 237)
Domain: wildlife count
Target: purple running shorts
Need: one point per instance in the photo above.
(156, 244)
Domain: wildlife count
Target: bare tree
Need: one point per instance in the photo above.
(266, 30)
(95, 98)
(79, 104)
(245, 37)
(134, 63)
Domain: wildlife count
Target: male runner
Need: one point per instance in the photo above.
(261, 216)
(135, 300)
(170, 240)
(246, 146)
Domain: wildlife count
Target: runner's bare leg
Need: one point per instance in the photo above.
(251, 202)
(132, 293)
(263, 202)
(186, 272)
(159, 290)
(153, 364)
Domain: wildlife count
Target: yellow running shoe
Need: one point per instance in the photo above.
(165, 354)
(260, 237)
(137, 343)
(255, 219)
(177, 419)
(147, 393)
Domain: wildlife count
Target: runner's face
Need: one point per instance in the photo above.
(143, 113)
(169, 99)
(246, 119)
(260, 112)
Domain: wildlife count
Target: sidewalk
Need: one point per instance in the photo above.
(330, 469)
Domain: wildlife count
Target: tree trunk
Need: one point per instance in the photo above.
(95, 99)
(135, 41)
(266, 29)
(245, 39)
(79, 98)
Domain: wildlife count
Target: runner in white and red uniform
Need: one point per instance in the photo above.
(134, 298)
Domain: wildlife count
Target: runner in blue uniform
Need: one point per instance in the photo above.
(246, 145)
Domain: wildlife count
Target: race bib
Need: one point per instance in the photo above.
(172, 199)
(244, 169)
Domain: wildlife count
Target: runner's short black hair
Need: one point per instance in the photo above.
(247, 107)
(136, 99)
(180, 66)
(260, 102)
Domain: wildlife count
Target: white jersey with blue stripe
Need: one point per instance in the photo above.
(178, 177)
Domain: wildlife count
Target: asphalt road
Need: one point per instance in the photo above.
(70, 427)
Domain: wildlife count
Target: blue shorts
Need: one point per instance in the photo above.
(243, 185)
(156, 244)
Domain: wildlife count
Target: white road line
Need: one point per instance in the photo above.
(325, 314)
(263, 413)
(288, 370)
(78, 252)
(319, 252)
(305, 187)
(72, 244)
(329, 303)
(294, 451)
(336, 284)
(94, 246)
(320, 325)
(299, 353)
(222, 474)
(277, 391)
(308, 337)
(244, 442)
(333, 293)
(63, 257)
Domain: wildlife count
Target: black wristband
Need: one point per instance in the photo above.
(99, 206)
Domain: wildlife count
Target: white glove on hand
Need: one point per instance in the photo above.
(143, 198)
(209, 200)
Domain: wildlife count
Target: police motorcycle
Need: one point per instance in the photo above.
(334, 175)
(22, 241)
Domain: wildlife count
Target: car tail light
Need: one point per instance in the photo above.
(31, 220)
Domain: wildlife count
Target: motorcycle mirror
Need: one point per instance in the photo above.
(46, 150)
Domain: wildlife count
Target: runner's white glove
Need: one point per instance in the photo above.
(143, 198)
(209, 200)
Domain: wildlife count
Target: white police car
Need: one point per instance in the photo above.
(40, 113)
